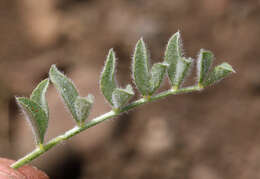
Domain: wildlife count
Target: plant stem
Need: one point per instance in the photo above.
(72, 132)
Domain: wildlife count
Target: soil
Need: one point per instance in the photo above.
(211, 134)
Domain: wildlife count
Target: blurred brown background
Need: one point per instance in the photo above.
(213, 134)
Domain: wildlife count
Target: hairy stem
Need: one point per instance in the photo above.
(72, 132)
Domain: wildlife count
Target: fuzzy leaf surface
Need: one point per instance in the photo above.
(140, 71)
(173, 54)
(39, 95)
(83, 106)
(220, 72)
(36, 117)
(157, 74)
(173, 49)
(181, 71)
(204, 63)
(107, 81)
(122, 96)
(65, 88)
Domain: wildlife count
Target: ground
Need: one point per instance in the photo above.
(211, 134)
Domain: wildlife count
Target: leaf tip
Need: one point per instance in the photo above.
(53, 67)
(18, 99)
(91, 98)
(140, 43)
(226, 66)
(111, 53)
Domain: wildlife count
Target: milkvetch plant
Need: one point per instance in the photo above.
(147, 80)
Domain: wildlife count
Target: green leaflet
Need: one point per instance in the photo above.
(36, 110)
(82, 106)
(117, 97)
(178, 66)
(147, 82)
(178, 71)
(220, 72)
(121, 96)
(157, 75)
(66, 89)
(107, 81)
(78, 106)
(182, 69)
(141, 74)
(174, 49)
(39, 95)
(172, 54)
(36, 117)
(204, 63)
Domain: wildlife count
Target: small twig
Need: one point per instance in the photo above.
(74, 131)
